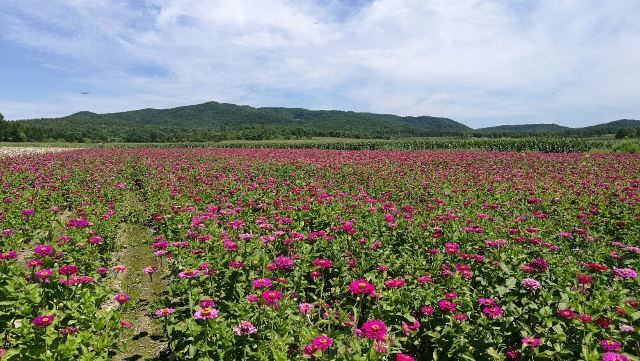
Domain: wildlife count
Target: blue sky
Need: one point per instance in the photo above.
(483, 63)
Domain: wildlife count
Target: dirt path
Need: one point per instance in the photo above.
(142, 289)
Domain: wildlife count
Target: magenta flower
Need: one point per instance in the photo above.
(530, 284)
(305, 308)
(492, 312)
(189, 273)
(67, 270)
(244, 329)
(322, 342)
(283, 262)
(205, 313)
(610, 345)
(625, 273)
(150, 270)
(121, 298)
(446, 305)
(531, 342)
(165, 312)
(43, 321)
(43, 275)
(374, 329)
(612, 356)
(460, 317)
(361, 287)
(43, 250)
(261, 283)
(271, 297)
(566, 313)
(322, 263)
(394, 283)
(206, 303)
(404, 357)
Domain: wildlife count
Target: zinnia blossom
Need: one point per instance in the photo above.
(625, 272)
(531, 342)
(244, 329)
(121, 298)
(43, 250)
(612, 356)
(205, 313)
(67, 270)
(361, 287)
(374, 329)
(323, 263)
(43, 320)
(446, 305)
(492, 312)
(189, 273)
(261, 283)
(610, 345)
(322, 342)
(404, 357)
(165, 312)
(271, 297)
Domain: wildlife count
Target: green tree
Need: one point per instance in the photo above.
(1, 117)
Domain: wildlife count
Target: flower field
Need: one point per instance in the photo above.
(294, 254)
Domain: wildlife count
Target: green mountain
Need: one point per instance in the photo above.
(213, 121)
(530, 128)
(617, 124)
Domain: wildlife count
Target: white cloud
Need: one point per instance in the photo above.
(479, 62)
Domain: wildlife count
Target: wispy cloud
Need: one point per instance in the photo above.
(479, 62)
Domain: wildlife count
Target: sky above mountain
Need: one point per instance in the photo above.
(483, 63)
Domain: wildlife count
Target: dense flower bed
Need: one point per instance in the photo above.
(308, 254)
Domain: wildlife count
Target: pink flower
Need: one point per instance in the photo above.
(165, 312)
(566, 313)
(610, 345)
(427, 310)
(43, 320)
(446, 305)
(283, 262)
(404, 357)
(121, 298)
(261, 283)
(125, 324)
(271, 297)
(322, 342)
(486, 301)
(305, 308)
(374, 329)
(244, 329)
(612, 356)
(43, 275)
(625, 272)
(492, 312)
(43, 250)
(530, 284)
(189, 273)
(394, 283)
(460, 317)
(150, 270)
(323, 263)
(361, 287)
(531, 342)
(67, 270)
(205, 313)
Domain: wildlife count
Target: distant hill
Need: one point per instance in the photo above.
(531, 128)
(617, 124)
(245, 122)
(213, 121)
